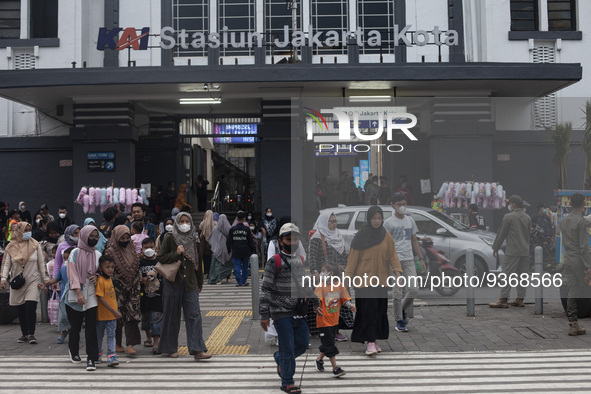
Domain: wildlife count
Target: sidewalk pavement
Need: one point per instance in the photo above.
(433, 329)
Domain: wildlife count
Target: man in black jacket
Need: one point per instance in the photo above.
(241, 244)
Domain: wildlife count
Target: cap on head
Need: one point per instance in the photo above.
(240, 215)
(288, 228)
(44, 206)
(515, 199)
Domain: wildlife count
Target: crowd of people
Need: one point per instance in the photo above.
(109, 277)
(131, 273)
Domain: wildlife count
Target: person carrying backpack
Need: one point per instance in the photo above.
(284, 298)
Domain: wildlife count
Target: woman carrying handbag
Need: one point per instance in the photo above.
(180, 251)
(24, 264)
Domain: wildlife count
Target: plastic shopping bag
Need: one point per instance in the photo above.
(53, 308)
(271, 332)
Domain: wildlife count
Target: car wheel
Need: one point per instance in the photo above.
(480, 267)
(448, 291)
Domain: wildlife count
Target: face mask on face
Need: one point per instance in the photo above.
(62, 215)
(27, 236)
(74, 239)
(23, 208)
(251, 228)
(323, 274)
(123, 244)
(545, 211)
(149, 252)
(289, 248)
(269, 214)
(249, 218)
(510, 207)
(169, 227)
(184, 228)
(401, 210)
(37, 221)
(92, 242)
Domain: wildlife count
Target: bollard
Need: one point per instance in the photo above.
(254, 278)
(470, 302)
(539, 290)
(410, 311)
(44, 313)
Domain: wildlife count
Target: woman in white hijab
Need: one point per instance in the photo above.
(328, 246)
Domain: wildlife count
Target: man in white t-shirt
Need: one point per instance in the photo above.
(404, 229)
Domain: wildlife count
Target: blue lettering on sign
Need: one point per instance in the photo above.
(235, 129)
(100, 155)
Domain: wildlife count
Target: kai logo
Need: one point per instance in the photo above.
(129, 38)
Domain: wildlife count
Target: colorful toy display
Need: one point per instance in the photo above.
(462, 194)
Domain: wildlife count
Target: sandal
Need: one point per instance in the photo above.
(60, 339)
(147, 343)
(156, 351)
(291, 389)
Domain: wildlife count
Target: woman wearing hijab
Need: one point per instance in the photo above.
(372, 253)
(328, 246)
(24, 255)
(182, 244)
(102, 243)
(221, 260)
(126, 280)
(205, 228)
(166, 227)
(82, 307)
(70, 240)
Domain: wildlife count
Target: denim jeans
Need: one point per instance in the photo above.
(241, 270)
(293, 337)
(110, 326)
(152, 321)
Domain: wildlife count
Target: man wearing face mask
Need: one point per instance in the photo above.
(515, 229)
(543, 220)
(240, 244)
(281, 288)
(151, 299)
(63, 220)
(404, 229)
(24, 214)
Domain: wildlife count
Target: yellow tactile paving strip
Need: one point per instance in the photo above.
(217, 343)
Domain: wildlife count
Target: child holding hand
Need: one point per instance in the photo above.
(107, 313)
(331, 300)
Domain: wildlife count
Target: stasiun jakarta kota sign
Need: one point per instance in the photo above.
(170, 38)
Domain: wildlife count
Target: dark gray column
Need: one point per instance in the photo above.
(111, 58)
(400, 20)
(166, 20)
(104, 138)
(352, 50)
(456, 22)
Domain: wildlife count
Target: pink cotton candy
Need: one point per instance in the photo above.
(86, 203)
(122, 196)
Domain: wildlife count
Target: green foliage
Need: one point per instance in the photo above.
(561, 136)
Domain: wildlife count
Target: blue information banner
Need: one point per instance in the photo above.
(357, 176)
(364, 172)
(100, 161)
(235, 129)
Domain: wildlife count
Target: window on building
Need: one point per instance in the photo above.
(43, 22)
(277, 15)
(377, 15)
(561, 15)
(239, 17)
(329, 15)
(10, 19)
(191, 15)
(525, 15)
